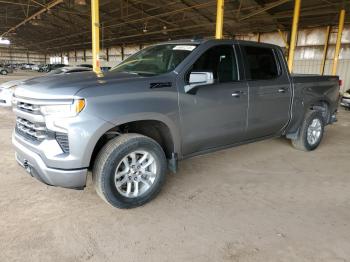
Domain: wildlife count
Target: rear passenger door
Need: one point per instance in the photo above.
(269, 90)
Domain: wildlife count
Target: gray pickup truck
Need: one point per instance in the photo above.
(167, 102)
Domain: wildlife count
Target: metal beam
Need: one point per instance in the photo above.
(137, 20)
(294, 34)
(95, 24)
(47, 7)
(338, 44)
(219, 19)
(264, 9)
(325, 49)
(283, 38)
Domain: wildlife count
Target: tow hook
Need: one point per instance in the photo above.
(27, 167)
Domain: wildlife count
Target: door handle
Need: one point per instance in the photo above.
(282, 90)
(237, 94)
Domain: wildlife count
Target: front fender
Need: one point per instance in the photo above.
(172, 126)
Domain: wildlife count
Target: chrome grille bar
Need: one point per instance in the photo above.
(36, 132)
(35, 109)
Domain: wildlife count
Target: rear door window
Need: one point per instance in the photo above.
(261, 63)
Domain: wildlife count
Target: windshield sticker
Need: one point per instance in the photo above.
(184, 47)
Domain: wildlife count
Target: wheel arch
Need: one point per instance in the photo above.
(319, 104)
(161, 131)
(322, 105)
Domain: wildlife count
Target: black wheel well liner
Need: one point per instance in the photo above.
(154, 129)
(320, 105)
(323, 106)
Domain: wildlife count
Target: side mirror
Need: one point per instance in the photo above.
(198, 79)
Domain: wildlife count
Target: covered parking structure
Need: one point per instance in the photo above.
(63, 28)
(258, 202)
(63, 25)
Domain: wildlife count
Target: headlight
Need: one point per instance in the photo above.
(68, 110)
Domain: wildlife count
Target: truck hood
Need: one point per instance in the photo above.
(65, 86)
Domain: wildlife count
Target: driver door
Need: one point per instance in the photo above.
(215, 115)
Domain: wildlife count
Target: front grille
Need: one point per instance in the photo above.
(29, 130)
(36, 132)
(62, 140)
(30, 108)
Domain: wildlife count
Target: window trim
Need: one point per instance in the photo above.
(247, 67)
(239, 72)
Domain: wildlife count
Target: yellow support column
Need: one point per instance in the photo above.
(338, 44)
(294, 34)
(219, 19)
(95, 23)
(325, 49)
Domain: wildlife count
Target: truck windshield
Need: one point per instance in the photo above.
(155, 60)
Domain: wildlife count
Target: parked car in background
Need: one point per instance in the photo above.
(7, 89)
(5, 70)
(345, 100)
(86, 65)
(50, 67)
(166, 103)
(27, 66)
(68, 70)
(105, 68)
(13, 66)
(43, 68)
(6, 92)
(36, 67)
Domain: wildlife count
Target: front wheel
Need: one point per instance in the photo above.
(311, 132)
(129, 171)
(3, 72)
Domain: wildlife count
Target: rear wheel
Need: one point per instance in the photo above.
(129, 171)
(311, 132)
(3, 72)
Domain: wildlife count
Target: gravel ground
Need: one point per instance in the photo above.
(259, 202)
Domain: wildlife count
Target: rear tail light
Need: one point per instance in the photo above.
(340, 83)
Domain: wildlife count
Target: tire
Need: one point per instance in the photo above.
(3, 72)
(302, 142)
(115, 158)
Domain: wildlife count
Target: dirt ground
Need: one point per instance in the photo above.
(259, 202)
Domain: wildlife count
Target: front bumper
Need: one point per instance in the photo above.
(34, 165)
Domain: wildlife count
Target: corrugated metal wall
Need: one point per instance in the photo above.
(309, 51)
(19, 56)
(115, 55)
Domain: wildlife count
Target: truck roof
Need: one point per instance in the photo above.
(200, 41)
